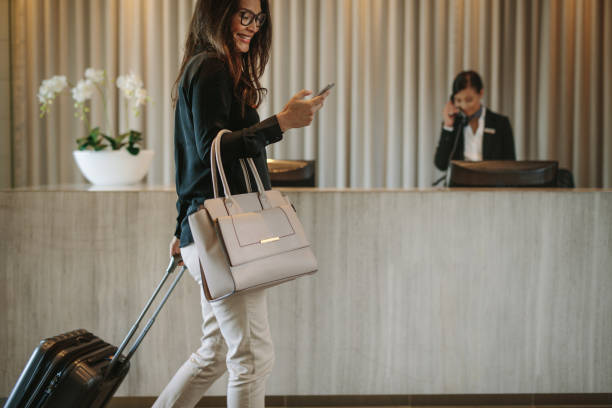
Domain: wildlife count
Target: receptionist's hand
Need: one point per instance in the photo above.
(448, 113)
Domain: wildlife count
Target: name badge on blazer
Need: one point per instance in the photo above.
(490, 131)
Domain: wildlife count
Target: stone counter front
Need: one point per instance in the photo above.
(418, 292)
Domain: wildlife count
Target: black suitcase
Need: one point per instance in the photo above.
(78, 369)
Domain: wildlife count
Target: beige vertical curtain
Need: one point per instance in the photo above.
(546, 64)
(64, 37)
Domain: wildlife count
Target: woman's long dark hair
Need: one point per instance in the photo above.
(210, 29)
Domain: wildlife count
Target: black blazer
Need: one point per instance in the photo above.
(497, 146)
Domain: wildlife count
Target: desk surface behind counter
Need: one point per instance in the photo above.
(419, 291)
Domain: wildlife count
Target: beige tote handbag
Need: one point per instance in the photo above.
(247, 241)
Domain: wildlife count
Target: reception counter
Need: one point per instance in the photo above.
(419, 291)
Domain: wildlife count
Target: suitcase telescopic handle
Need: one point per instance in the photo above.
(174, 261)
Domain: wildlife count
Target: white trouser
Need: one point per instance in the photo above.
(236, 330)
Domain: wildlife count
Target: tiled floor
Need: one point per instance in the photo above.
(418, 406)
(146, 403)
(142, 404)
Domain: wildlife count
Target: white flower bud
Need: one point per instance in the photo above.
(140, 96)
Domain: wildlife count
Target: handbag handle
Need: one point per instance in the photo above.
(216, 164)
(213, 169)
(245, 173)
(251, 163)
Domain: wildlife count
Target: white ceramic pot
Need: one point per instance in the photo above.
(113, 167)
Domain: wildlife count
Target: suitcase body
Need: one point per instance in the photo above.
(68, 370)
(78, 369)
(84, 382)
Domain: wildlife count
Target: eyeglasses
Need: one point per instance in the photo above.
(247, 17)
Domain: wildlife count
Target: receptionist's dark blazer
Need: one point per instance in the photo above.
(497, 142)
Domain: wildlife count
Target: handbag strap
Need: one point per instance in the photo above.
(245, 174)
(216, 164)
(219, 164)
(213, 168)
(260, 186)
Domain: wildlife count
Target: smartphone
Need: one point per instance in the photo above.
(459, 114)
(327, 88)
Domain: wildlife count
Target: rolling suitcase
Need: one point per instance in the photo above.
(78, 369)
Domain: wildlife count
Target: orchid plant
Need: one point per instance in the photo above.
(131, 88)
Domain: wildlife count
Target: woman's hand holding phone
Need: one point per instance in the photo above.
(299, 112)
(448, 114)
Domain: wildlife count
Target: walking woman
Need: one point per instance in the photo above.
(486, 135)
(218, 87)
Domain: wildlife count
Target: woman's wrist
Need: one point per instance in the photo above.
(282, 122)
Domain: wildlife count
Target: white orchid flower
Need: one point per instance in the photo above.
(83, 90)
(129, 84)
(95, 75)
(50, 88)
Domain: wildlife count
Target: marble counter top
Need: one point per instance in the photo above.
(171, 188)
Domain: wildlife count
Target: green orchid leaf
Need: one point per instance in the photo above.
(133, 150)
(84, 142)
(121, 137)
(114, 144)
(135, 136)
(94, 132)
(94, 140)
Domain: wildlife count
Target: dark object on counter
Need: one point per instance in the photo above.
(565, 179)
(292, 173)
(503, 173)
(78, 369)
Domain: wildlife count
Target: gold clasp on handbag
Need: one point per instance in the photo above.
(268, 240)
